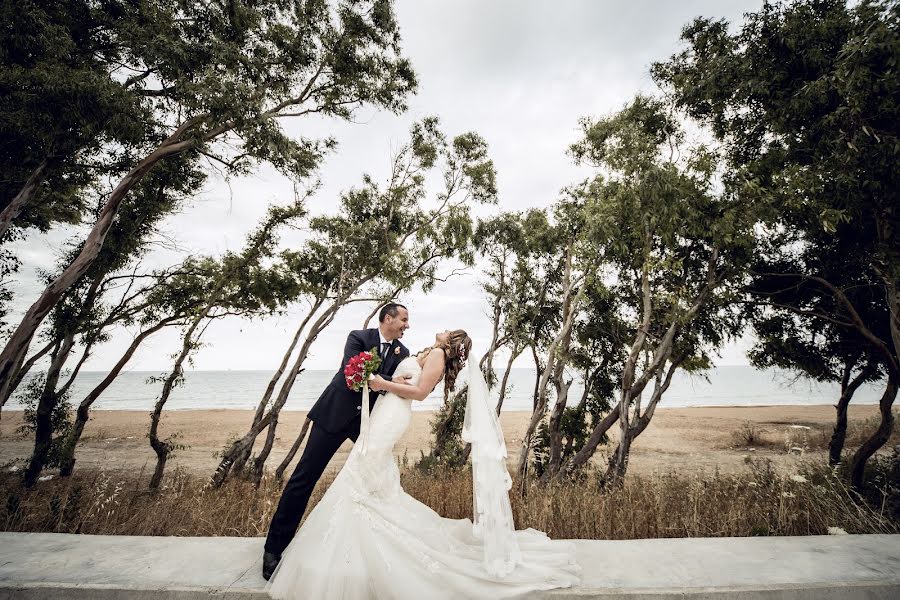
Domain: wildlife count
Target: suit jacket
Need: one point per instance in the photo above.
(339, 407)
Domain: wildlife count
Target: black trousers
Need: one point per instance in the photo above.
(320, 447)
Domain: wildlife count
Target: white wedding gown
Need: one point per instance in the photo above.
(367, 538)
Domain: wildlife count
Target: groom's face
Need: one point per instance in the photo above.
(395, 326)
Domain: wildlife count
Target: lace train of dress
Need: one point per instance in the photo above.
(367, 538)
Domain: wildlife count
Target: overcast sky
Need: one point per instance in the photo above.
(520, 73)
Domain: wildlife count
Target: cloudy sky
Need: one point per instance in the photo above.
(519, 73)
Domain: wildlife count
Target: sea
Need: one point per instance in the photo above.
(241, 390)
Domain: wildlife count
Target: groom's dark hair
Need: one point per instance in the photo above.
(391, 308)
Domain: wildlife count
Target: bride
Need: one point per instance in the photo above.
(367, 538)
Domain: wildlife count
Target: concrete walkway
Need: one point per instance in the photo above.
(845, 567)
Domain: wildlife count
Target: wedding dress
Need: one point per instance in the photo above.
(367, 538)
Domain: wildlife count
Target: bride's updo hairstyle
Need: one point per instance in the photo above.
(456, 350)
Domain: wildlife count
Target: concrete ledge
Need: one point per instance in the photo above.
(60, 566)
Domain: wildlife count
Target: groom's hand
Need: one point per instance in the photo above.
(377, 383)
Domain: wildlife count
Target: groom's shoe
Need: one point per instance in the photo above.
(270, 561)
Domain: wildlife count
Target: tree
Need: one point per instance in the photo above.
(577, 257)
(394, 236)
(150, 322)
(518, 291)
(60, 106)
(83, 311)
(498, 240)
(518, 276)
(217, 78)
(803, 100)
(597, 355)
(238, 284)
(817, 347)
(673, 248)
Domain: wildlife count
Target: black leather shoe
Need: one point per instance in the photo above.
(270, 561)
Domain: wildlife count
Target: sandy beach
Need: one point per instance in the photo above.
(700, 439)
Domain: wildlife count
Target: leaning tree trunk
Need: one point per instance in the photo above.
(279, 472)
(259, 463)
(50, 397)
(242, 455)
(878, 439)
(218, 478)
(885, 428)
(234, 459)
(320, 324)
(43, 431)
(537, 415)
(504, 382)
(627, 393)
(560, 455)
(598, 434)
(14, 377)
(82, 415)
(836, 445)
(535, 396)
(554, 427)
(562, 396)
(619, 465)
(163, 448)
(17, 346)
(632, 386)
(22, 199)
(317, 327)
(572, 294)
(22, 370)
(487, 362)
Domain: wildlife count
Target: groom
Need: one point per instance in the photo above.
(335, 417)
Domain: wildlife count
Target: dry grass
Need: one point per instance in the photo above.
(120, 504)
(803, 437)
(759, 502)
(858, 431)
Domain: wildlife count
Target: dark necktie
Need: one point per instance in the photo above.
(384, 348)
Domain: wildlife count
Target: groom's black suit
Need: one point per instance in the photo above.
(335, 417)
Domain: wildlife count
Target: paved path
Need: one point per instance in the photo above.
(844, 567)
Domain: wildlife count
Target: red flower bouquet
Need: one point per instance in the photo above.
(360, 368)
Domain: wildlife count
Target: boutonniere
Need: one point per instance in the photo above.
(397, 351)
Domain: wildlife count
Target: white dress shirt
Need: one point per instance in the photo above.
(383, 341)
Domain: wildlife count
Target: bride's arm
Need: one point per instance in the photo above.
(431, 374)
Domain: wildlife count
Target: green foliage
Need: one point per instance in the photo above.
(60, 114)
(394, 237)
(531, 303)
(804, 102)
(575, 428)
(91, 90)
(29, 396)
(60, 105)
(446, 427)
(91, 312)
(239, 65)
(656, 210)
